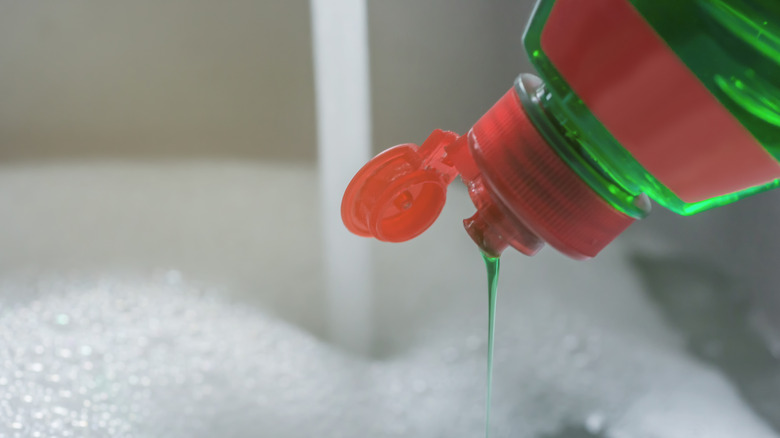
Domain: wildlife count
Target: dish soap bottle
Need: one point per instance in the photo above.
(678, 101)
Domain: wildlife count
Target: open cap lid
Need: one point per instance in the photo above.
(399, 193)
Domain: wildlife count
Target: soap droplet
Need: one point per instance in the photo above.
(62, 319)
(16, 425)
(36, 367)
(595, 423)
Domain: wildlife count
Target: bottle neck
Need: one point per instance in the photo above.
(526, 189)
(548, 114)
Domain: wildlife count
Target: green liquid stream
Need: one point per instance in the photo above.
(492, 265)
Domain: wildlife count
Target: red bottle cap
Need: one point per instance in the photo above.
(525, 193)
(530, 189)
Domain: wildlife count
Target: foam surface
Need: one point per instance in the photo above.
(211, 348)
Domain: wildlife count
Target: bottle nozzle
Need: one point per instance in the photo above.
(492, 230)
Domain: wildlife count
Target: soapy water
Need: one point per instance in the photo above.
(153, 359)
(586, 349)
(712, 312)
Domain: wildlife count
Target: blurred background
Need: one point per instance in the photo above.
(198, 79)
(162, 268)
